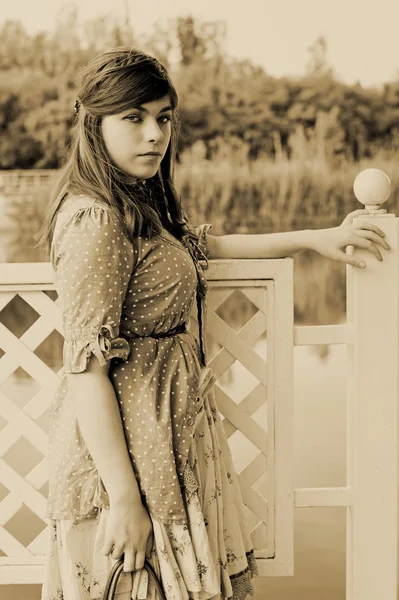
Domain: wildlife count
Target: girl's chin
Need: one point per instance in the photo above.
(143, 173)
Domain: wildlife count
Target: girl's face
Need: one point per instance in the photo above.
(130, 135)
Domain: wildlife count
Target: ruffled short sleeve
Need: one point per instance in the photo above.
(93, 262)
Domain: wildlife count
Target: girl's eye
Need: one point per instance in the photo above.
(131, 117)
(137, 118)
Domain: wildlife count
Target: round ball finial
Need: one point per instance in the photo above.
(372, 188)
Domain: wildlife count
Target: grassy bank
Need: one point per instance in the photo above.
(265, 196)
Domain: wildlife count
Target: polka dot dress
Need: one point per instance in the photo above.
(132, 302)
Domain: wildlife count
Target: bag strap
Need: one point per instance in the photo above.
(115, 573)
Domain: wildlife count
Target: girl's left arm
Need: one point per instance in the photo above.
(260, 245)
(329, 242)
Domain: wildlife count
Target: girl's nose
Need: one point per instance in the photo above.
(153, 132)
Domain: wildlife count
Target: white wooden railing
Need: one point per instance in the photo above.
(22, 181)
(264, 416)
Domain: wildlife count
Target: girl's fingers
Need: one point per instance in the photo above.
(140, 559)
(117, 552)
(107, 548)
(374, 237)
(349, 260)
(150, 544)
(129, 561)
(367, 245)
(370, 227)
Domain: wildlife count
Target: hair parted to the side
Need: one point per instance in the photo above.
(112, 82)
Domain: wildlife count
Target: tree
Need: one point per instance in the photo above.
(318, 64)
(223, 101)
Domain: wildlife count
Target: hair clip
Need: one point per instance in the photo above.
(76, 106)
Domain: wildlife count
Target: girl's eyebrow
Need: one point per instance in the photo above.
(142, 109)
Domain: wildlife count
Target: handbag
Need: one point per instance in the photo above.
(115, 573)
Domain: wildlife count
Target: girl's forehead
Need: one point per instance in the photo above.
(154, 105)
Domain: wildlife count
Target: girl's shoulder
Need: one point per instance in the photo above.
(82, 209)
(74, 202)
(86, 222)
(82, 214)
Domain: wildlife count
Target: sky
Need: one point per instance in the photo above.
(362, 36)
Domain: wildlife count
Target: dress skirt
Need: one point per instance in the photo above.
(208, 557)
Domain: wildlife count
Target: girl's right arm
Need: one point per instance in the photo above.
(100, 422)
(94, 262)
(129, 527)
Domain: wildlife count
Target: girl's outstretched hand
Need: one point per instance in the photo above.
(331, 242)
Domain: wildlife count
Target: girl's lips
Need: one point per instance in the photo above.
(150, 156)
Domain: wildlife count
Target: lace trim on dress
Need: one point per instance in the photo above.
(241, 582)
(242, 586)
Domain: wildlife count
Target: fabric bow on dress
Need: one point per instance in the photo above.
(199, 257)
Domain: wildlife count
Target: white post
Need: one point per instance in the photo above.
(372, 415)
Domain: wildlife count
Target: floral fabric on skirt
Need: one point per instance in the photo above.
(208, 557)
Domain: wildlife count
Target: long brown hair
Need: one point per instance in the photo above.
(112, 82)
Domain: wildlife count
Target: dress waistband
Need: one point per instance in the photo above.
(182, 328)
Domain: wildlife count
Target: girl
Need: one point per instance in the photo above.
(139, 464)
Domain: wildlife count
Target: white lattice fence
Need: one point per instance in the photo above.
(250, 419)
(257, 411)
(24, 496)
